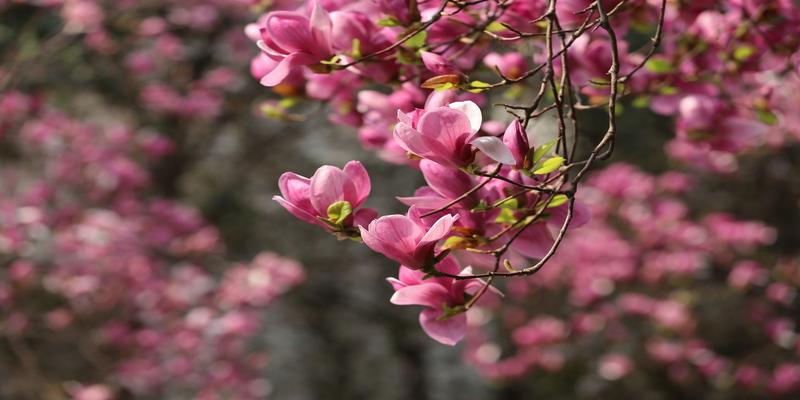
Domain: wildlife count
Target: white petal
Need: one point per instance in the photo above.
(495, 149)
(473, 113)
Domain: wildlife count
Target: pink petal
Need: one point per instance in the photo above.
(396, 283)
(495, 149)
(394, 236)
(535, 241)
(410, 276)
(286, 66)
(364, 216)
(439, 230)
(424, 294)
(295, 188)
(449, 265)
(424, 202)
(440, 98)
(472, 111)
(297, 211)
(321, 25)
(446, 127)
(449, 331)
(410, 139)
(330, 185)
(448, 182)
(358, 175)
(290, 31)
(581, 215)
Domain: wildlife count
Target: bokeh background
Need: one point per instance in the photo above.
(108, 109)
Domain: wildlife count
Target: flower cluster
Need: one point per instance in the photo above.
(643, 291)
(726, 70)
(489, 201)
(137, 283)
(110, 287)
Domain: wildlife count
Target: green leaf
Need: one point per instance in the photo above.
(406, 57)
(495, 27)
(482, 206)
(550, 165)
(287, 102)
(658, 66)
(333, 61)
(512, 204)
(506, 217)
(389, 21)
(542, 150)
(455, 242)
(339, 211)
(356, 51)
(641, 102)
(668, 90)
(767, 117)
(479, 84)
(446, 86)
(742, 53)
(514, 92)
(557, 200)
(418, 40)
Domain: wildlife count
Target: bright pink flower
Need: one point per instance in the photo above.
(295, 40)
(511, 65)
(443, 319)
(441, 134)
(513, 149)
(438, 64)
(614, 366)
(405, 239)
(309, 199)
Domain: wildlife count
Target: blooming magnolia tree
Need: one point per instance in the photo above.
(501, 197)
(573, 280)
(111, 286)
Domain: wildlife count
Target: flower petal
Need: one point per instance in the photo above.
(360, 178)
(284, 67)
(329, 185)
(472, 111)
(448, 331)
(298, 212)
(495, 149)
(289, 30)
(535, 241)
(424, 294)
(439, 230)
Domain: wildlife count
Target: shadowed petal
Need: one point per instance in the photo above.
(448, 331)
(495, 149)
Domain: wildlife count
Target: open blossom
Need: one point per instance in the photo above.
(513, 149)
(405, 239)
(295, 40)
(443, 318)
(442, 134)
(511, 65)
(311, 199)
(438, 64)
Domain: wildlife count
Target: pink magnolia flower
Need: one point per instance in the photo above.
(405, 239)
(444, 185)
(438, 64)
(295, 40)
(511, 65)
(310, 199)
(440, 134)
(443, 318)
(513, 149)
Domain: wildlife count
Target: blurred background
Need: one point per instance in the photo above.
(141, 255)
